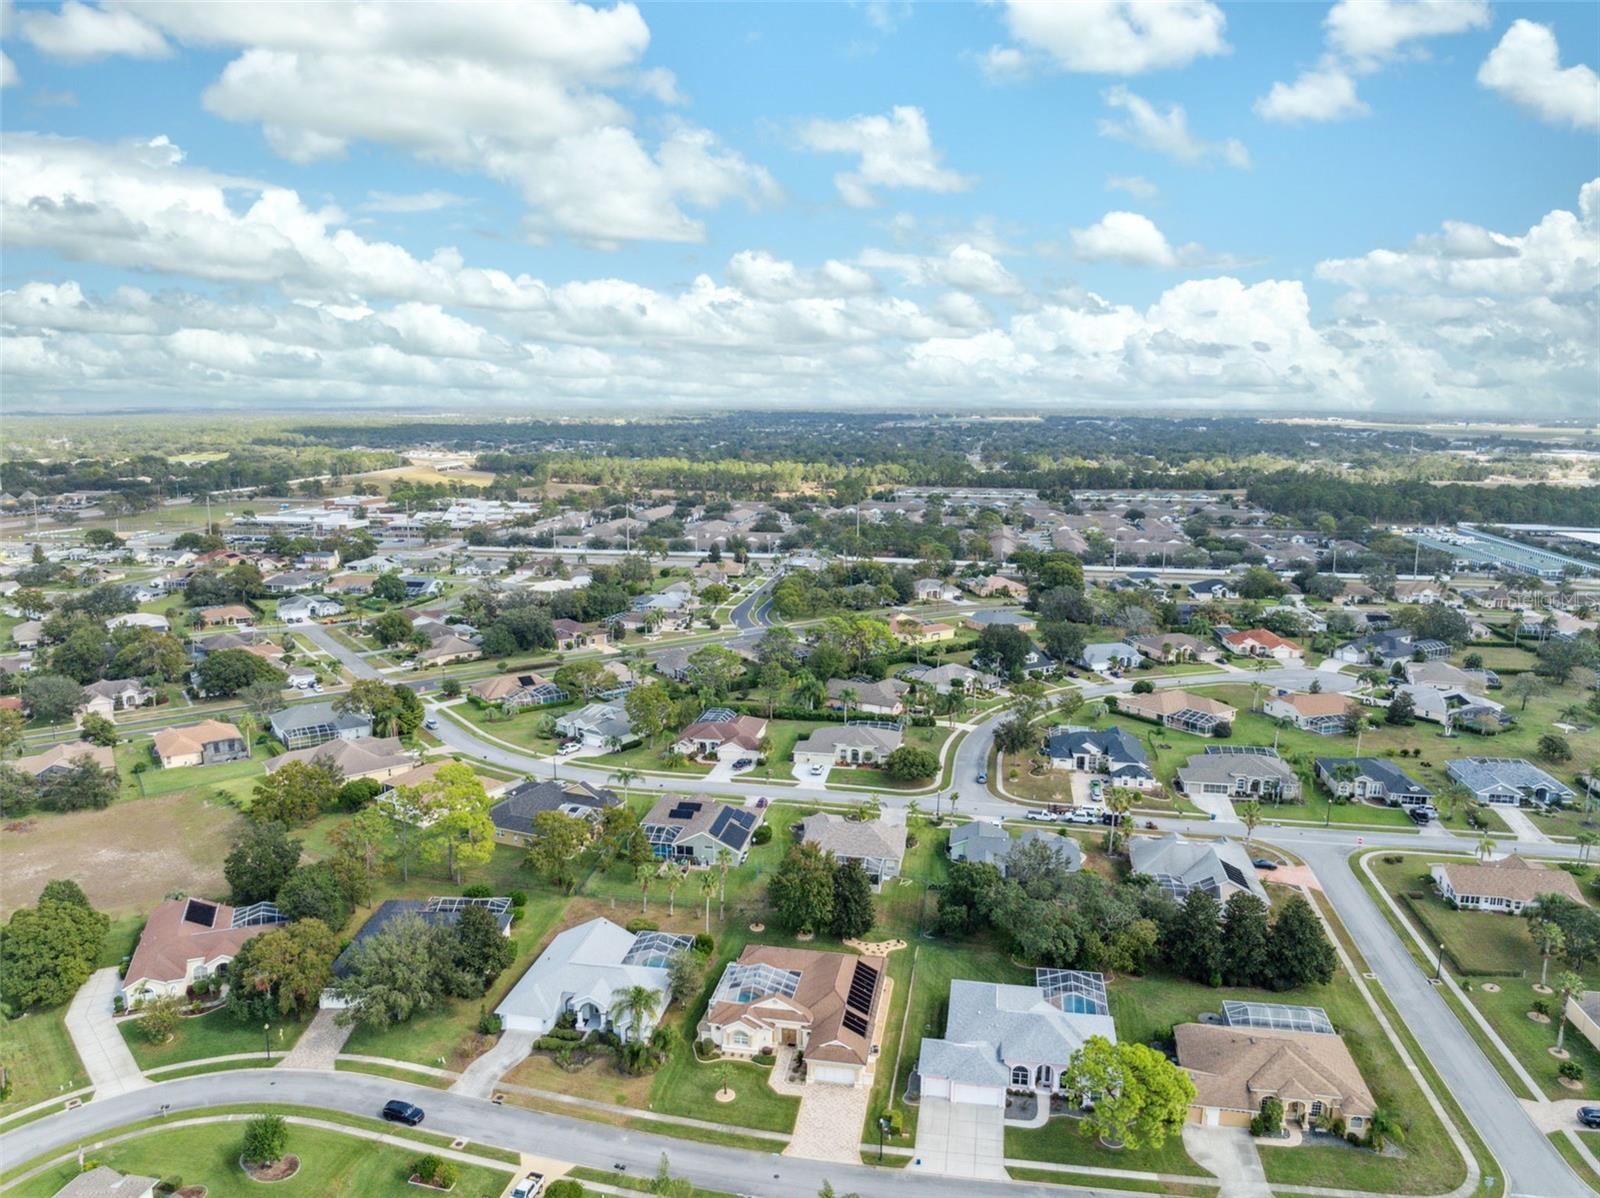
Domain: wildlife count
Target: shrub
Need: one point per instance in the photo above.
(434, 1170)
(1143, 687)
(762, 834)
(1540, 1007)
(1571, 1070)
(160, 1018)
(489, 1024)
(567, 1187)
(708, 1048)
(764, 1058)
(896, 1122)
(266, 1139)
(704, 944)
(643, 925)
(519, 898)
(1268, 1121)
(478, 890)
(172, 1183)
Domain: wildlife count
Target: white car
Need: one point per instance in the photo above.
(1082, 815)
(1040, 816)
(568, 749)
(530, 1186)
(431, 723)
(817, 771)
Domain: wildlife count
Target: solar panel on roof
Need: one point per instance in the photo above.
(863, 985)
(1235, 875)
(855, 1023)
(684, 810)
(202, 913)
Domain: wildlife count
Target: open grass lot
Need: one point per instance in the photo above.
(39, 1059)
(646, 757)
(1146, 1008)
(217, 1034)
(332, 1165)
(127, 857)
(520, 729)
(1484, 943)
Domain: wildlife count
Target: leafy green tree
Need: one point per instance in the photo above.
(1195, 943)
(11, 731)
(48, 951)
(392, 628)
(1525, 687)
(650, 710)
(261, 699)
(296, 792)
(1300, 950)
(909, 763)
(1140, 1097)
(160, 1019)
(1555, 747)
(853, 911)
(633, 1008)
(712, 670)
(393, 974)
(363, 840)
(98, 730)
(282, 972)
(358, 793)
(148, 653)
(227, 672)
(266, 1139)
(481, 952)
(558, 841)
(801, 890)
(1402, 710)
(316, 891)
(64, 890)
(389, 587)
(51, 698)
(1246, 956)
(453, 811)
(260, 862)
(84, 785)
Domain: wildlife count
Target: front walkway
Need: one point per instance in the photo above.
(480, 1078)
(101, 1048)
(320, 1044)
(960, 1139)
(1230, 1153)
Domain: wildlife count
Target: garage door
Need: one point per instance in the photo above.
(977, 1095)
(836, 1075)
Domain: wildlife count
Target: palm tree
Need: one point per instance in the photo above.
(1250, 814)
(1120, 802)
(1451, 797)
(1383, 1126)
(1569, 983)
(645, 874)
(1549, 939)
(674, 876)
(626, 777)
(848, 696)
(708, 888)
(913, 810)
(634, 1007)
(1587, 838)
(724, 864)
(1485, 846)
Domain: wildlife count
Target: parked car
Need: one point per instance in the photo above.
(431, 723)
(816, 771)
(1039, 816)
(1589, 1116)
(1081, 815)
(530, 1186)
(569, 747)
(1264, 863)
(1419, 815)
(983, 777)
(744, 763)
(1114, 819)
(396, 1111)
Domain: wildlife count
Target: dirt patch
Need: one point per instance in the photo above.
(278, 1170)
(1538, 1017)
(126, 857)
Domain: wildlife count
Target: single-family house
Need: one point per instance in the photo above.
(310, 724)
(1112, 752)
(696, 831)
(113, 695)
(854, 743)
(1443, 676)
(1106, 657)
(186, 940)
(227, 615)
(376, 757)
(438, 911)
(1508, 782)
(572, 635)
(349, 584)
(910, 630)
(1507, 884)
(1220, 867)
(1249, 773)
(58, 759)
(448, 649)
(102, 1181)
(1374, 779)
(516, 691)
(673, 664)
(513, 815)
(826, 1005)
(291, 581)
(584, 971)
(1424, 590)
(1453, 706)
(140, 619)
(997, 584)
(1179, 709)
(302, 609)
(1387, 646)
(1169, 647)
(1326, 713)
(934, 590)
(599, 726)
(1262, 642)
(867, 696)
(1212, 589)
(878, 846)
(1583, 1013)
(420, 586)
(208, 742)
(27, 634)
(996, 618)
(987, 842)
(952, 676)
(1236, 1069)
(720, 733)
(1001, 1038)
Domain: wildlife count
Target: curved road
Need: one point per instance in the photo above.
(575, 1140)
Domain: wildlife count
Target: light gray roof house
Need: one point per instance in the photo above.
(879, 846)
(1244, 772)
(1508, 780)
(1180, 865)
(984, 843)
(317, 723)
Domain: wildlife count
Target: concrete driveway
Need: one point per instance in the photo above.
(960, 1139)
(1230, 1153)
(1521, 826)
(106, 1059)
(809, 781)
(480, 1078)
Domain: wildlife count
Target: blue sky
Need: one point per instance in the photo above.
(1338, 208)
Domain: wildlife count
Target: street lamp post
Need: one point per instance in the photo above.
(883, 1126)
(1438, 964)
(266, 1041)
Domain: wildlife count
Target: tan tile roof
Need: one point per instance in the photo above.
(1307, 704)
(818, 1002)
(190, 738)
(1236, 1068)
(1511, 877)
(745, 731)
(65, 754)
(1166, 702)
(170, 940)
(1264, 637)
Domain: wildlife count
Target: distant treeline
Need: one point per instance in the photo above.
(1306, 496)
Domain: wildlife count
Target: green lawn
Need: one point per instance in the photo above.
(646, 757)
(39, 1059)
(1147, 1008)
(1579, 1165)
(157, 781)
(1061, 1143)
(217, 1034)
(685, 1086)
(332, 1165)
(1478, 943)
(520, 729)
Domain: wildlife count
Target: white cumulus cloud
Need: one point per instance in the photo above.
(1526, 68)
(79, 33)
(1166, 132)
(1109, 37)
(895, 150)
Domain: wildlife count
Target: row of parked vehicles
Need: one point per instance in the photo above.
(1072, 815)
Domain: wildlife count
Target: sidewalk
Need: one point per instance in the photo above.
(106, 1059)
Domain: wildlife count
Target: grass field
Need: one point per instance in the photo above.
(1497, 950)
(217, 1034)
(39, 1058)
(332, 1165)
